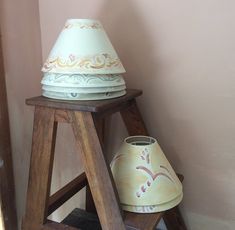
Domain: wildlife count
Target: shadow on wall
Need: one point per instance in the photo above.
(138, 49)
(163, 109)
(129, 36)
(135, 47)
(127, 31)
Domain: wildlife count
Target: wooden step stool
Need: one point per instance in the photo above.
(86, 118)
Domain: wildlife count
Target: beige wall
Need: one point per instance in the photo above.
(22, 55)
(181, 53)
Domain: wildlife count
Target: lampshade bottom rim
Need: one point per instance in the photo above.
(83, 96)
(153, 208)
(81, 90)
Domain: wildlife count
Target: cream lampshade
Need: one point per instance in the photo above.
(144, 178)
(83, 64)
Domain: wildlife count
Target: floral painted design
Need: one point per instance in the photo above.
(78, 79)
(152, 176)
(99, 61)
(145, 156)
(83, 25)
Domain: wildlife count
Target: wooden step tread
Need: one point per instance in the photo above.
(89, 106)
(83, 220)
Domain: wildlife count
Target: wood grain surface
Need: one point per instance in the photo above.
(97, 171)
(87, 106)
(88, 129)
(43, 146)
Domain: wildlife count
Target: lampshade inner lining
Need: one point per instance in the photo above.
(140, 140)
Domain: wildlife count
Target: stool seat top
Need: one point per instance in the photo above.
(88, 106)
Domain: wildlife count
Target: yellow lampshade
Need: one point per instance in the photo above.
(144, 178)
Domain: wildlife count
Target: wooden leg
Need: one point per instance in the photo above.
(99, 123)
(135, 126)
(90, 205)
(174, 220)
(133, 120)
(97, 171)
(43, 145)
(100, 126)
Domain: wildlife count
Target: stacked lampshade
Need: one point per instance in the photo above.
(144, 178)
(83, 64)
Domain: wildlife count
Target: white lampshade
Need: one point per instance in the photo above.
(83, 64)
(145, 180)
(83, 86)
(83, 47)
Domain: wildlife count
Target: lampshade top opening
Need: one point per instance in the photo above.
(140, 140)
(72, 20)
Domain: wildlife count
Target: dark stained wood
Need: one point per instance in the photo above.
(65, 193)
(88, 128)
(88, 106)
(79, 218)
(90, 204)
(120, 107)
(181, 177)
(133, 221)
(98, 173)
(7, 193)
(43, 146)
(51, 225)
(99, 123)
(133, 120)
(142, 221)
(62, 116)
(174, 219)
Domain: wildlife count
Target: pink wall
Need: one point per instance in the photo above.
(19, 22)
(182, 55)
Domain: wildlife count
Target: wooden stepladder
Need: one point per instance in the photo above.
(86, 119)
